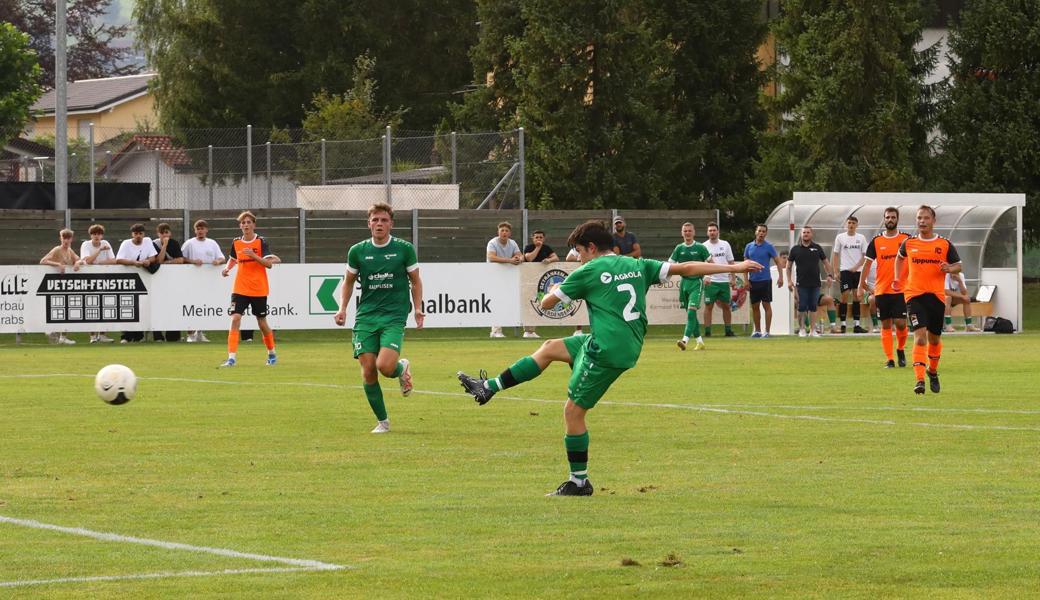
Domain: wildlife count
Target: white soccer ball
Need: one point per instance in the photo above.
(115, 384)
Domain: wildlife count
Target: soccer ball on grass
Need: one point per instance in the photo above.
(115, 384)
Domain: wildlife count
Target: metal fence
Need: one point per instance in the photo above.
(298, 235)
(270, 168)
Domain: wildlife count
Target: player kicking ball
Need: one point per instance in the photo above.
(388, 270)
(614, 288)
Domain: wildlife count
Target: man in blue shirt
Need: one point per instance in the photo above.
(761, 282)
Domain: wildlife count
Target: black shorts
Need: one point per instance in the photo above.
(849, 281)
(890, 306)
(256, 304)
(926, 310)
(762, 291)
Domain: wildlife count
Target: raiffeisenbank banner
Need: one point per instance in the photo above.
(662, 299)
(302, 296)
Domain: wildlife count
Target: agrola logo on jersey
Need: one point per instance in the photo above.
(561, 310)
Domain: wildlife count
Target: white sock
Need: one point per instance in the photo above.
(700, 339)
(685, 338)
(855, 323)
(232, 355)
(580, 482)
(496, 380)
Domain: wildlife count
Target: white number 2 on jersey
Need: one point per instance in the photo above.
(628, 313)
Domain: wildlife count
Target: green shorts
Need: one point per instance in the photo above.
(716, 291)
(690, 292)
(371, 339)
(589, 381)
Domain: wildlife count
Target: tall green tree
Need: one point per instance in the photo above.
(226, 63)
(626, 103)
(853, 111)
(19, 73)
(95, 48)
(990, 131)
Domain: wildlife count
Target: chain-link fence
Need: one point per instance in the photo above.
(272, 168)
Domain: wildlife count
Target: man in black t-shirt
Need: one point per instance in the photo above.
(169, 251)
(538, 250)
(807, 255)
(625, 242)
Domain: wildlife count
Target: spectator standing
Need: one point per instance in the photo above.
(503, 249)
(60, 257)
(138, 251)
(538, 251)
(200, 250)
(170, 253)
(760, 283)
(717, 292)
(625, 242)
(847, 256)
(97, 251)
(807, 255)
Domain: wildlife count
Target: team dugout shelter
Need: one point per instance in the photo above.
(986, 229)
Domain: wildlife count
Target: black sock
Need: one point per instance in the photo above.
(855, 310)
(843, 311)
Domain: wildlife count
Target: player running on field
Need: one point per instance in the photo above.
(251, 254)
(928, 258)
(614, 287)
(390, 286)
(691, 289)
(891, 306)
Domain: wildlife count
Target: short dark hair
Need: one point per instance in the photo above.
(506, 225)
(201, 223)
(928, 208)
(713, 224)
(592, 233)
(537, 231)
(96, 228)
(852, 218)
(162, 227)
(891, 209)
(137, 228)
(381, 207)
(762, 225)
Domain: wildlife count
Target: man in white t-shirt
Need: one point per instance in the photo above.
(97, 251)
(847, 257)
(503, 249)
(138, 251)
(717, 290)
(198, 251)
(957, 293)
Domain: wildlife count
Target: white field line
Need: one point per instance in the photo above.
(164, 575)
(726, 409)
(126, 539)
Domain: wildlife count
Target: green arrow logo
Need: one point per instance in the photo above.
(326, 294)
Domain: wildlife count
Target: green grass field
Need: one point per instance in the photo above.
(773, 468)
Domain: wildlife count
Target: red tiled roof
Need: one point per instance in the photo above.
(172, 155)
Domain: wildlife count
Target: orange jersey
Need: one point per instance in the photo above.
(882, 250)
(251, 278)
(924, 257)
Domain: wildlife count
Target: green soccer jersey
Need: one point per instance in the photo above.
(382, 273)
(615, 289)
(695, 251)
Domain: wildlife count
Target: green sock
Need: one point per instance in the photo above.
(398, 370)
(578, 455)
(522, 370)
(729, 329)
(806, 320)
(693, 326)
(967, 320)
(948, 320)
(832, 315)
(374, 393)
(874, 320)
